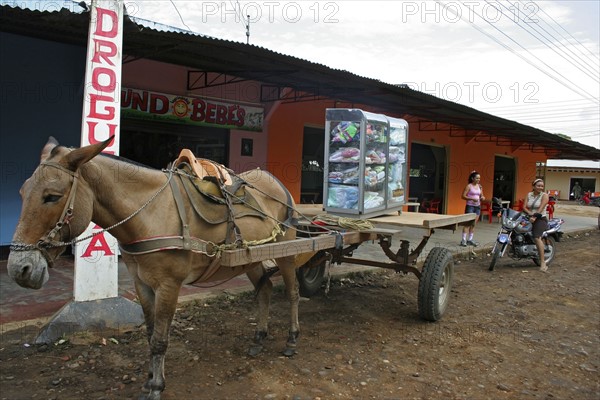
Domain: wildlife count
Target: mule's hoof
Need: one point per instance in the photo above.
(289, 351)
(154, 395)
(254, 350)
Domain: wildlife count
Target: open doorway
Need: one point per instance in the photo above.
(504, 178)
(586, 184)
(427, 175)
(313, 148)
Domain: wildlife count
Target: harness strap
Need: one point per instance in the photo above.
(208, 273)
(151, 245)
(67, 213)
(65, 216)
(232, 227)
(182, 216)
(233, 232)
(184, 242)
(291, 217)
(58, 166)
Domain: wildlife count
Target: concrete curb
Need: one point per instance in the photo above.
(106, 315)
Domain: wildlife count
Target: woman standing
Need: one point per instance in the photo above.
(535, 207)
(473, 194)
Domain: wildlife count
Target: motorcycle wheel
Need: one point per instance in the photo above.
(548, 255)
(495, 256)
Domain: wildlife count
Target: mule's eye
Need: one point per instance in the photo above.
(52, 198)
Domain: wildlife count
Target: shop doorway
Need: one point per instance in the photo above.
(313, 149)
(504, 178)
(587, 185)
(156, 144)
(427, 176)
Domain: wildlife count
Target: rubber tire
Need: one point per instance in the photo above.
(310, 280)
(550, 240)
(495, 256)
(435, 284)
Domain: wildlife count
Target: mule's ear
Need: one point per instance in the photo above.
(48, 147)
(80, 156)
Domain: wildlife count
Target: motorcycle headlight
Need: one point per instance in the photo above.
(509, 223)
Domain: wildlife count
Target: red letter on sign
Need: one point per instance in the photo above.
(108, 86)
(92, 132)
(112, 18)
(105, 50)
(221, 114)
(198, 113)
(110, 111)
(98, 243)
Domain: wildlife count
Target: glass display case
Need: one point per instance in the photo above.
(398, 170)
(365, 167)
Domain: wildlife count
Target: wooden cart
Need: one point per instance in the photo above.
(332, 245)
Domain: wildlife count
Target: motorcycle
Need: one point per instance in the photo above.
(588, 199)
(516, 239)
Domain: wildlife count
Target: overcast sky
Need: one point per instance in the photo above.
(533, 62)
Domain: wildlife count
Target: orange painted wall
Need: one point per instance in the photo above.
(285, 130)
(467, 154)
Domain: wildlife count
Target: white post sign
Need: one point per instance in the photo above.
(96, 259)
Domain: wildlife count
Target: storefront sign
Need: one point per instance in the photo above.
(96, 262)
(144, 104)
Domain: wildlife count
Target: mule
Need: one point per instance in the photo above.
(73, 187)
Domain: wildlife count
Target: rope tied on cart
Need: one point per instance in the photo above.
(342, 222)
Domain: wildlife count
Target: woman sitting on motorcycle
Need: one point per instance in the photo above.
(535, 207)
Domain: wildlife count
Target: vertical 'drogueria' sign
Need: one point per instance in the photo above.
(96, 259)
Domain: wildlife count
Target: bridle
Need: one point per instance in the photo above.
(48, 242)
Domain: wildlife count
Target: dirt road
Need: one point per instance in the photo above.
(511, 333)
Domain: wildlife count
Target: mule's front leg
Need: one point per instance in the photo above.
(288, 272)
(146, 296)
(165, 303)
(264, 288)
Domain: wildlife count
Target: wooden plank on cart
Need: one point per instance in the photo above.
(406, 219)
(232, 258)
(376, 230)
(425, 220)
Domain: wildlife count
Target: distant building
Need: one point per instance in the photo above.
(561, 175)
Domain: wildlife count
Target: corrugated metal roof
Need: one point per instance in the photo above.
(573, 164)
(143, 39)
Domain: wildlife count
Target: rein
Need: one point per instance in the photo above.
(48, 242)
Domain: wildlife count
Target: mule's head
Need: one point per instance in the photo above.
(57, 207)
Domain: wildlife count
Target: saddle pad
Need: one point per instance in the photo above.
(210, 205)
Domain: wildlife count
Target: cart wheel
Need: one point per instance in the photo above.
(435, 284)
(311, 279)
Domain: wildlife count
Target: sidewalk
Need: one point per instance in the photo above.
(20, 306)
